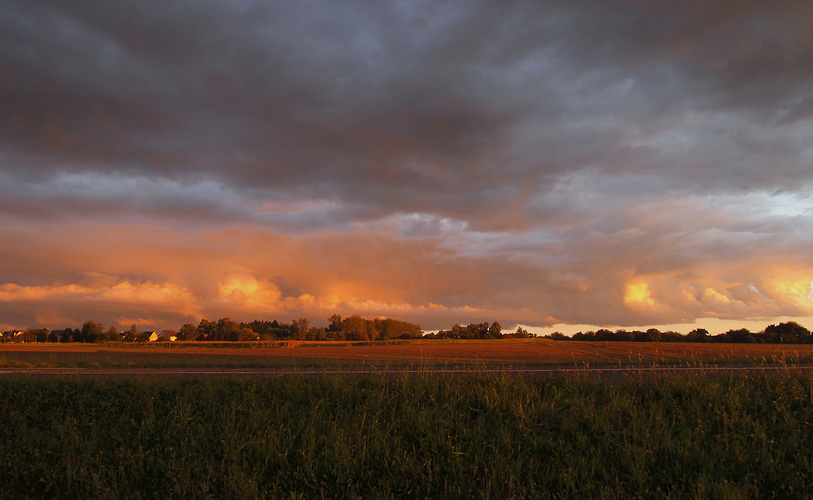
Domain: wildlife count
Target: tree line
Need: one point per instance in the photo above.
(356, 328)
(478, 331)
(789, 332)
(350, 328)
(225, 329)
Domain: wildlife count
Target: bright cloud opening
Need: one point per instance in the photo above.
(638, 294)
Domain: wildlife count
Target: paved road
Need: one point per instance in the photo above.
(390, 371)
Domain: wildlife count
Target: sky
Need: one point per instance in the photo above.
(554, 164)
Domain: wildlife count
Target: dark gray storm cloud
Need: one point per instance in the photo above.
(548, 136)
(431, 97)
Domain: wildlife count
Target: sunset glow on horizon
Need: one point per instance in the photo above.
(561, 165)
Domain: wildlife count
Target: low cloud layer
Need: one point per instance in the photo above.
(603, 163)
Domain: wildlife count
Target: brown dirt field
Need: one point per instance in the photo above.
(515, 352)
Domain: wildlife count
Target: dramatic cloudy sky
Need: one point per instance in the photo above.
(543, 163)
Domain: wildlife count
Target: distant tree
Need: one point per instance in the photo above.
(132, 334)
(334, 323)
(604, 335)
(462, 332)
(39, 335)
(357, 328)
(226, 329)
(454, 333)
(698, 335)
(586, 336)
(654, 335)
(92, 331)
(670, 336)
(395, 329)
(66, 335)
(269, 330)
(113, 334)
(188, 332)
(300, 328)
(624, 336)
(316, 333)
(246, 335)
(521, 333)
(471, 331)
(206, 330)
(333, 334)
(789, 332)
(743, 335)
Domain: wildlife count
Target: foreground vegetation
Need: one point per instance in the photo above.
(472, 436)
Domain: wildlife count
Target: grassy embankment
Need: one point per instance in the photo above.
(478, 436)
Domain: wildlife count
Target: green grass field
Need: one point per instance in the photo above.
(473, 436)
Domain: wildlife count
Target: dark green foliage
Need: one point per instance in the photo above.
(357, 328)
(270, 330)
(739, 336)
(786, 333)
(423, 436)
(224, 329)
(472, 331)
(352, 328)
(783, 333)
(91, 332)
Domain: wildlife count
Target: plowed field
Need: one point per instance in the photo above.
(533, 352)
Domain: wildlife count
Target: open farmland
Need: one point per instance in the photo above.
(484, 353)
(472, 436)
(422, 435)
